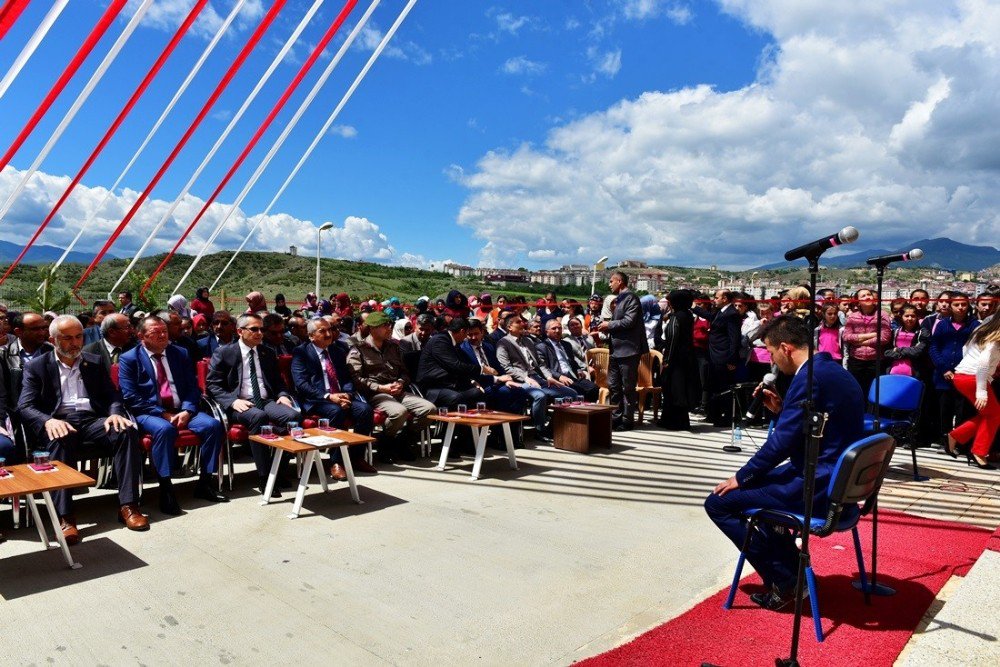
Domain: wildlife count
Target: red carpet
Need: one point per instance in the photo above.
(916, 557)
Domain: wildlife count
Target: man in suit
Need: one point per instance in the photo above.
(502, 391)
(415, 341)
(102, 308)
(117, 337)
(627, 341)
(518, 359)
(445, 374)
(274, 335)
(161, 391)
(557, 354)
(724, 343)
(125, 305)
(324, 385)
(67, 400)
(579, 342)
(175, 330)
(31, 341)
(243, 378)
(765, 481)
(501, 329)
(223, 333)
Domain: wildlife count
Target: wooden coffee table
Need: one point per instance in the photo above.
(23, 481)
(312, 460)
(480, 423)
(577, 428)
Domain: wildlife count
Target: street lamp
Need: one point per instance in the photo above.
(598, 266)
(752, 293)
(322, 228)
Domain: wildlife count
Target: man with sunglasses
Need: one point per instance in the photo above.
(244, 379)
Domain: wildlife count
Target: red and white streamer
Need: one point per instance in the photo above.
(251, 44)
(305, 156)
(75, 108)
(278, 59)
(9, 13)
(158, 64)
(29, 49)
(149, 136)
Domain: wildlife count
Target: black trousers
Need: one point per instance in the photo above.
(253, 418)
(451, 398)
(720, 407)
(623, 377)
(91, 439)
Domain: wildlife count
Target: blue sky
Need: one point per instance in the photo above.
(548, 132)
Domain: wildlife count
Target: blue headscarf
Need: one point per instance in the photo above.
(650, 308)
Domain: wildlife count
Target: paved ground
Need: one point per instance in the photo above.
(564, 558)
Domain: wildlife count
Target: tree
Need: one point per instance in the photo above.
(49, 296)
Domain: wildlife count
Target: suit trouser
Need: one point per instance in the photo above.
(254, 418)
(774, 555)
(397, 410)
(122, 446)
(360, 412)
(720, 407)
(623, 378)
(586, 388)
(451, 398)
(163, 454)
(506, 399)
(540, 399)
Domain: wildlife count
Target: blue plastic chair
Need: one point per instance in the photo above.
(900, 397)
(854, 485)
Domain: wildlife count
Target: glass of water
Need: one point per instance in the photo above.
(442, 412)
(463, 409)
(41, 457)
(267, 431)
(295, 430)
(324, 425)
(481, 407)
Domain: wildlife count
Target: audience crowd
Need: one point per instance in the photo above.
(120, 382)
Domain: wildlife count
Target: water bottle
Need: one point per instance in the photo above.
(737, 436)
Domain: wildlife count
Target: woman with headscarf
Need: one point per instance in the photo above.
(311, 303)
(255, 303)
(679, 378)
(401, 329)
(342, 305)
(202, 304)
(325, 308)
(179, 304)
(650, 316)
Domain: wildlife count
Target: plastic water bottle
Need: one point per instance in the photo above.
(737, 436)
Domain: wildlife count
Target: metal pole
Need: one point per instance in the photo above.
(319, 230)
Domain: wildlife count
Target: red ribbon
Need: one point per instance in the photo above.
(9, 14)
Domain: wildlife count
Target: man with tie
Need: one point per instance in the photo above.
(223, 333)
(161, 391)
(557, 354)
(244, 379)
(68, 400)
(324, 385)
(502, 391)
(117, 337)
(445, 374)
(519, 360)
(578, 341)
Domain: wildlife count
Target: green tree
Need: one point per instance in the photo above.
(49, 296)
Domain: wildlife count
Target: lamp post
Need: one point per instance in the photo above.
(322, 228)
(752, 293)
(598, 266)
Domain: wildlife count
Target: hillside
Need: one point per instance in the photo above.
(939, 252)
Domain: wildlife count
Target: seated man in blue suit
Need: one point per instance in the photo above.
(502, 392)
(324, 385)
(766, 481)
(160, 390)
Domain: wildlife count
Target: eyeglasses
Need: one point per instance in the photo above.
(253, 329)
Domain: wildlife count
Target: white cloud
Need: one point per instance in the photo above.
(167, 15)
(522, 65)
(507, 22)
(357, 238)
(641, 10)
(370, 36)
(880, 115)
(605, 63)
(344, 131)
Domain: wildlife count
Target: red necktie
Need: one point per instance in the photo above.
(162, 383)
(331, 375)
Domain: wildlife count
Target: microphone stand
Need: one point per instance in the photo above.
(813, 426)
(874, 587)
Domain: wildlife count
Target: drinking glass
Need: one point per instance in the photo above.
(295, 430)
(41, 457)
(463, 409)
(324, 425)
(442, 412)
(481, 407)
(3, 470)
(267, 431)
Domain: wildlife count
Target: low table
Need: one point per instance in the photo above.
(480, 423)
(577, 428)
(312, 459)
(23, 481)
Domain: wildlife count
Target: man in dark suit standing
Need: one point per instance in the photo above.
(243, 378)
(445, 374)
(324, 385)
(161, 391)
(627, 341)
(116, 339)
(723, 354)
(126, 306)
(765, 481)
(67, 400)
(557, 354)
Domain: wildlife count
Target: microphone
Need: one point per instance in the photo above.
(817, 248)
(914, 254)
(758, 400)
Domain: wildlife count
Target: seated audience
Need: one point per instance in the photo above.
(502, 391)
(92, 330)
(117, 337)
(445, 374)
(557, 355)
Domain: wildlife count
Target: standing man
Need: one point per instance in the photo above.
(243, 379)
(160, 389)
(627, 340)
(125, 305)
(724, 341)
(68, 399)
(766, 481)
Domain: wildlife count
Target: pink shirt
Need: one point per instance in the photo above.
(829, 341)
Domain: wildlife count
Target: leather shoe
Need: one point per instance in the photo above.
(68, 526)
(362, 465)
(338, 473)
(132, 517)
(775, 599)
(262, 483)
(168, 503)
(207, 492)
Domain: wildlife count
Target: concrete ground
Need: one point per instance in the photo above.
(562, 559)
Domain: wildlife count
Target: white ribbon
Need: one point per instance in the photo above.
(29, 48)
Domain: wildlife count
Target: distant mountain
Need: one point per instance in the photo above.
(940, 253)
(39, 254)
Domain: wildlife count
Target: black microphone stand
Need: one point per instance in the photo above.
(873, 586)
(814, 424)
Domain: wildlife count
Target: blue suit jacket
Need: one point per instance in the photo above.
(138, 381)
(836, 392)
(491, 356)
(308, 375)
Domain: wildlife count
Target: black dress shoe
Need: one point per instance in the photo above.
(775, 599)
(262, 484)
(206, 491)
(168, 502)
